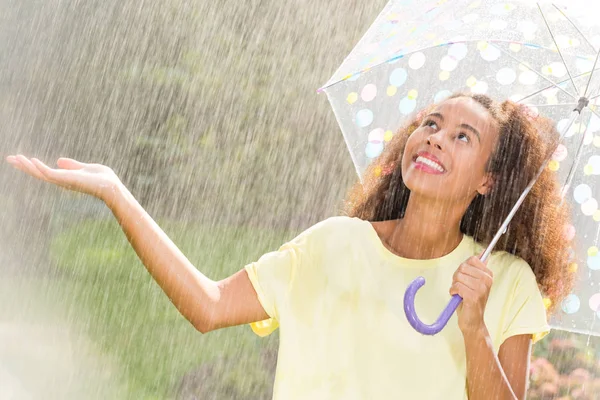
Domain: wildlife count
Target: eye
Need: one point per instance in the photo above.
(430, 123)
(464, 137)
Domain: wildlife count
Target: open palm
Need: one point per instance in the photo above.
(93, 179)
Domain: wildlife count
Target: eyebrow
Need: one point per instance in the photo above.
(465, 126)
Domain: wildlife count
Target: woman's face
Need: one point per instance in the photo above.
(446, 156)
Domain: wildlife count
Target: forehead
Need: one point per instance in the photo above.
(465, 110)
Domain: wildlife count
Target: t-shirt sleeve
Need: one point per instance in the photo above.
(272, 277)
(526, 312)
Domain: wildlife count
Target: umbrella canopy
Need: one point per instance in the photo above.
(541, 54)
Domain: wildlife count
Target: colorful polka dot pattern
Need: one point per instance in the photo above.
(502, 49)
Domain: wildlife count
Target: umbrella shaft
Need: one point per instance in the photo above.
(503, 227)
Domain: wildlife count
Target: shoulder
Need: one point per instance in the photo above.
(510, 263)
(512, 269)
(339, 225)
(333, 234)
(502, 262)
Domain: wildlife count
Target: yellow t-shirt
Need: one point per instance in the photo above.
(336, 294)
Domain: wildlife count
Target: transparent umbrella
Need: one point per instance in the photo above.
(541, 54)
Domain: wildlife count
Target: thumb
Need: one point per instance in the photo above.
(69, 163)
(481, 255)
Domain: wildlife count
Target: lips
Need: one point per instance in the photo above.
(429, 160)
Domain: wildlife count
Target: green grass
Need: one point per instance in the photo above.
(113, 300)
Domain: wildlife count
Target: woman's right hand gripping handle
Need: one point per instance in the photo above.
(206, 304)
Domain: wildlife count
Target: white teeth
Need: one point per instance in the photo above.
(429, 162)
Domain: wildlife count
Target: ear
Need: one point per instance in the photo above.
(486, 185)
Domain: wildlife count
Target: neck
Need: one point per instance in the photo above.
(429, 229)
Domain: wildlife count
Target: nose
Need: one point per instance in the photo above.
(435, 140)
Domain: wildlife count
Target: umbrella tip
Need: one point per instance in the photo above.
(581, 104)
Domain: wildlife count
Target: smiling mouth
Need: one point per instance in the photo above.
(428, 165)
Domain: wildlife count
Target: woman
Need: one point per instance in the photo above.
(427, 207)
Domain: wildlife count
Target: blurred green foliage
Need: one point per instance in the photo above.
(115, 301)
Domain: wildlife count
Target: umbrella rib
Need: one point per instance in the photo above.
(571, 173)
(397, 56)
(576, 28)
(558, 83)
(557, 47)
(554, 84)
(587, 86)
(594, 111)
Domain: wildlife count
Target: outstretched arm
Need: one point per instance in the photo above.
(207, 304)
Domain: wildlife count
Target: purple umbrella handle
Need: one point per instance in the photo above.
(411, 315)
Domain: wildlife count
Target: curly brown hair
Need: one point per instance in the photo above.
(536, 232)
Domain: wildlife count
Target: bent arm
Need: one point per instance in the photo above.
(491, 376)
(206, 304)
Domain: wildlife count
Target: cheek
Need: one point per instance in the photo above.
(468, 170)
(409, 150)
(467, 174)
(413, 141)
(468, 158)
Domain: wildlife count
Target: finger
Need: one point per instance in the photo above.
(30, 168)
(475, 261)
(462, 290)
(69, 163)
(474, 278)
(471, 270)
(453, 289)
(14, 161)
(469, 281)
(18, 165)
(43, 168)
(50, 174)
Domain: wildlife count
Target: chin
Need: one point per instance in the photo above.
(426, 188)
